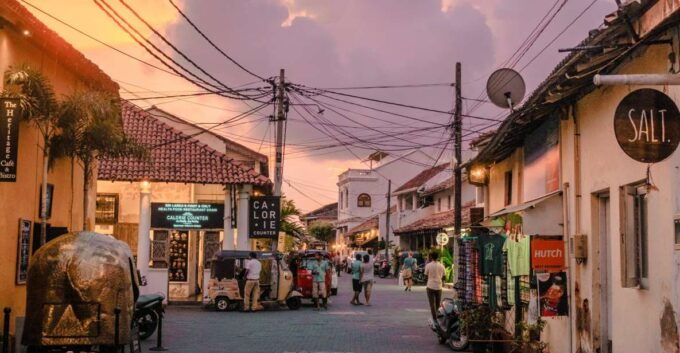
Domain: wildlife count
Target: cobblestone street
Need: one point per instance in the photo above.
(396, 322)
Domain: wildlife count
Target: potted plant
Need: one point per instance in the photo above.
(529, 338)
(478, 324)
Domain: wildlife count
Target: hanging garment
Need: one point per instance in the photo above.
(524, 289)
(490, 248)
(503, 279)
(519, 255)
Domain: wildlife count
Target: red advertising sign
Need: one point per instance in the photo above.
(547, 254)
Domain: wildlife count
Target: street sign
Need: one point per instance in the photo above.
(187, 215)
(547, 255)
(647, 125)
(442, 239)
(23, 252)
(10, 111)
(264, 216)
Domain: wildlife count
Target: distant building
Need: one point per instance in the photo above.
(324, 214)
(362, 193)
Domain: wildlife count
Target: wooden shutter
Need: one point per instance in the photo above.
(128, 233)
(629, 253)
(211, 245)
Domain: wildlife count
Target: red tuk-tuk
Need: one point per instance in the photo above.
(304, 277)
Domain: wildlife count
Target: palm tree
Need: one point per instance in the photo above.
(90, 127)
(289, 219)
(39, 105)
(323, 231)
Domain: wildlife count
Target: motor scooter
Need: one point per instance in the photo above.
(381, 269)
(446, 326)
(148, 311)
(419, 275)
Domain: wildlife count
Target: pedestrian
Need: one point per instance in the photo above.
(319, 269)
(434, 271)
(252, 288)
(409, 267)
(356, 279)
(367, 278)
(337, 261)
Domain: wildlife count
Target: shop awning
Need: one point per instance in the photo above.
(521, 207)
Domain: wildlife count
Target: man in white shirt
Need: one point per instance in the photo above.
(435, 275)
(253, 268)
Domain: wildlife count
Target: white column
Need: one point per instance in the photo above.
(228, 241)
(143, 241)
(242, 241)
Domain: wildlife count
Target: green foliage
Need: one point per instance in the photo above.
(289, 219)
(478, 322)
(322, 231)
(447, 260)
(529, 339)
(35, 93)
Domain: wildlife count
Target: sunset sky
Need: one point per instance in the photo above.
(327, 43)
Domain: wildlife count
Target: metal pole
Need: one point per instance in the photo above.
(159, 336)
(116, 332)
(280, 118)
(387, 223)
(5, 331)
(457, 141)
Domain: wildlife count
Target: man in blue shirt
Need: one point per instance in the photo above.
(356, 279)
(319, 269)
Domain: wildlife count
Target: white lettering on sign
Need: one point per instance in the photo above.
(650, 125)
(548, 253)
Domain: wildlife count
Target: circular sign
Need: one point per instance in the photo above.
(647, 125)
(442, 239)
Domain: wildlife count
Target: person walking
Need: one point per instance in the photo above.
(434, 271)
(356, 279)
(337, 262)
(319, 269)
(367, 278)
(252, 288)
(409, 266)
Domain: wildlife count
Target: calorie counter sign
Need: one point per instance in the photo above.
(264, 216)
(547, 255)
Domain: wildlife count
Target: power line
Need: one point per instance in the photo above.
(421, 85)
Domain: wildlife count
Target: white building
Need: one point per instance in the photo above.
(362, 193)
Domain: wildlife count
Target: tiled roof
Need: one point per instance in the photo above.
(327, 211)
(52, 44)
(371, 223)
(422, 177)
(173, 156)
(436, 221)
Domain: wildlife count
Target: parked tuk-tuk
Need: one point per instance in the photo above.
(304, 276)
(81, 292)
(227, 281)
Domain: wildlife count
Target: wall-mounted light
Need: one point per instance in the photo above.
(478, 174)
(26, 33)
(145, 186)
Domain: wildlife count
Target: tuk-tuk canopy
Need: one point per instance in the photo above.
(245, 254)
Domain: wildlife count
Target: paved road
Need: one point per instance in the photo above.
(396, 322)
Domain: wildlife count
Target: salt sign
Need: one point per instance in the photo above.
(264, 216)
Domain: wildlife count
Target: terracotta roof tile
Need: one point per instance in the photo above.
(173, 156)
(422, 177)
(436, 221)
(368, 224)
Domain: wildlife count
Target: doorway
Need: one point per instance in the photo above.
(604, 243)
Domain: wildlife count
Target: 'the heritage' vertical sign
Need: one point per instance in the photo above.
(10, 112)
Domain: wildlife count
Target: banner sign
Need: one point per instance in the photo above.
(10, 112)
(552, 291)
(547, 255)
(264, 216)
(23, 252)
(187, 215)
(647, 125)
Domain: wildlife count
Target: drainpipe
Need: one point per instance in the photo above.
(577, 192)
(640, 79)
(570, 289)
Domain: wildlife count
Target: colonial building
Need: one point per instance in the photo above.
(24, 40)
(596, 168)
(324, 214)
(177, 206)
(362, 193)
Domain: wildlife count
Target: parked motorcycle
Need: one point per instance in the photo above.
(148, 311)
(381, 269)
(419, 275)
(447, 325)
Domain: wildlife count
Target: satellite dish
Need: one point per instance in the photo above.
(505, 88)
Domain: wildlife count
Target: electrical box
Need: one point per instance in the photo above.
(579, 246)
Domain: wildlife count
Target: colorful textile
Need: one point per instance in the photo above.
(490, 248)
(519, 255)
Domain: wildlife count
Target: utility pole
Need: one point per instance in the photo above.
(280, 119)
(457, 141)
(387, 222)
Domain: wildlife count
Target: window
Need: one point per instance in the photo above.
(677, 233)
(508, 187)
(159, 249)
(107, 209)
(408, 202)
(439, 204)
(634, 246)
(364, 200)
(340, 197)
(346, 198)
(448, 202)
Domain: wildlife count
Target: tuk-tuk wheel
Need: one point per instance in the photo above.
(294, 303)
(221, 303)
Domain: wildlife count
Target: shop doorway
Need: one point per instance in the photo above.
(603, 224)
